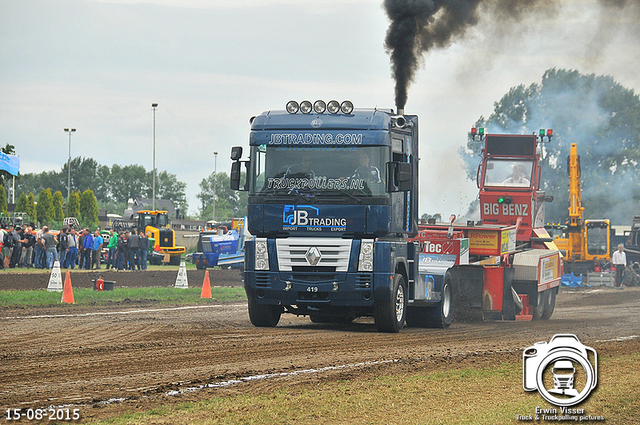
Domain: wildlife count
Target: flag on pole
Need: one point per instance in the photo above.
(10, 163)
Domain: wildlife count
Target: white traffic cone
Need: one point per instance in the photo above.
(181, 280)
(55, 280)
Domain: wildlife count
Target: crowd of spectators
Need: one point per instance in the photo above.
(22, 246)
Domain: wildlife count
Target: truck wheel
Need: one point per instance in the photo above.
(200, 266)
(446, 307)
(539, 308)
(389, 314)
(174, 260)
(550, 305)
(263, 316)
(433, 317)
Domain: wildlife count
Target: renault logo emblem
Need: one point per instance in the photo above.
(313, 256)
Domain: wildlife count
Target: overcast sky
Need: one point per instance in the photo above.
(210, 65)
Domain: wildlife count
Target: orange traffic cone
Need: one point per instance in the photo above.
(67, 292)
(206, 286)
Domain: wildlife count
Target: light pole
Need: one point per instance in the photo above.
(154, 106)
(69, 131)
(215, 170)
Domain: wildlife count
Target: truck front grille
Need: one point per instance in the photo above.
(313, 253)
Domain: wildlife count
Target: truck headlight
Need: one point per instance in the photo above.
(319, 106)
(262, 255)
(346, 107)
(305, 107)
(365, 259)
(333, 107)
(293, 107)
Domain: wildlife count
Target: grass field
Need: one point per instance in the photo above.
(484, 395)
(87, 296)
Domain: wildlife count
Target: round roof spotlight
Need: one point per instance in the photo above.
(333, 107)
(346, 107)
(400, 122)
(293, 107)
(305, 107)
(319, 106)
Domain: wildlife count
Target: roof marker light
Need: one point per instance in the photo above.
(293, 107)
(319, 106)
(346, 107)
(305, 107)
(542, 132)
(474, 131)
(549, 132)
(481, 131)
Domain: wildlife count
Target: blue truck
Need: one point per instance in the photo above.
(224, 250)
(332, 213)
(332, 203)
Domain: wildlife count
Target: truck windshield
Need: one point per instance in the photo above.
(357, 171)
(508, 173)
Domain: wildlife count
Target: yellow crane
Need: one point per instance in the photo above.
(585, 242)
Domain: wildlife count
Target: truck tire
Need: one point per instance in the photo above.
(263, 316)
(174, 260)
(389, 314)
(539, 307)
(433, 317)
(550, 304)
(200, 266)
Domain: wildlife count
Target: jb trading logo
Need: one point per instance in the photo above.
(564, 372)
(308, 216)
(292, 216)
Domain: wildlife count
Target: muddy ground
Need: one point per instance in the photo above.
(114, 359)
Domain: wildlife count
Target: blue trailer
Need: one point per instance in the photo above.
(332, 202)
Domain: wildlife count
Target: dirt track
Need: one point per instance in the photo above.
(110, 360)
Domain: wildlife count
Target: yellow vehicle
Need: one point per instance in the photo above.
(156, 226)
(585, 242)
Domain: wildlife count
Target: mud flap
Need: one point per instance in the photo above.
(508, 305)
(467, 282)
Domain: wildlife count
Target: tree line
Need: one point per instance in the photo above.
(51, 208)
(111, 188)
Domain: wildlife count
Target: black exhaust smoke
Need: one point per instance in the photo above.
(418, 26)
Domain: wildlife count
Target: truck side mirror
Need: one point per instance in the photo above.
(236, 153)
(235, 176)
(400, 176)
(403, 176)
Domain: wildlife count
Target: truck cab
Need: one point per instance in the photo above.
(332, 200)
(509, 181)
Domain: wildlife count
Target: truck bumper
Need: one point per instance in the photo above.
(357, 290)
